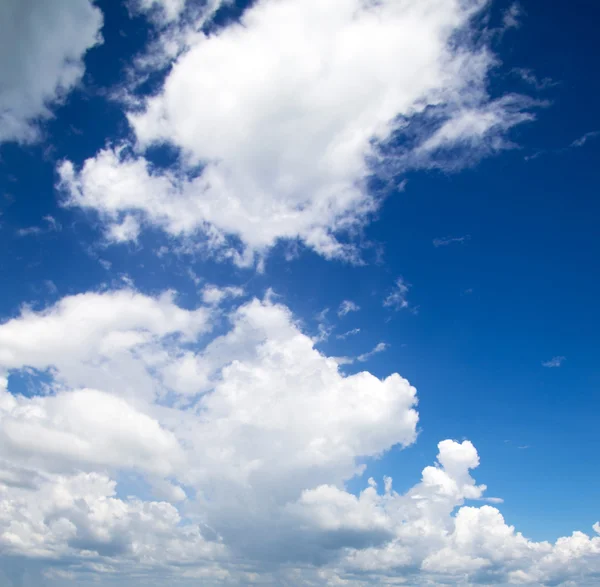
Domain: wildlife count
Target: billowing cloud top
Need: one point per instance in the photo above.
(245, 443)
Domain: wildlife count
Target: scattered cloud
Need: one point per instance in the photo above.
(397, 298)
(378, 348)
(51, 225)
(554, 362)
(346, 307)
(349, 333)
(576, 144)
(512, 16)
(212, 294)
(581, 141)
(444, 242)
(40, 64)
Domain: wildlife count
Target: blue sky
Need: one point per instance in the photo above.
(470, 250)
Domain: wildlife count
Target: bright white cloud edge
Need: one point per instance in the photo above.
(283, 121)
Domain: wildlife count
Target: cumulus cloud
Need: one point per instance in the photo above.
(39, 63)
(279, 128)
(240, 466)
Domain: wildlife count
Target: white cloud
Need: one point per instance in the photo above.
(52, 225)
(346, 307)
(530, 78)
(85, 427)
(511, 18)
(127, 230)
(95, 339)
(165, 10)
(249, 440)
(444, 242)
(284, 113)
(397, 298)
(378, 348)
(554, 362)
(232, 420)
(211, 294)
(345, 335)
(39, 63)
(581, 141)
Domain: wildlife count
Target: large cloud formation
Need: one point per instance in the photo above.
(39, 63)
(281, 118)
(145, 447)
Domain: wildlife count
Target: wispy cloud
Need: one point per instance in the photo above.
(51, 225)
(530, 78)
(512, 16)
(379, 348)
(346, 307)
(397, 298)
(554, 362)
(324, 328)
(444, 242)
(576, 144)
(585, 138)
(345, 335)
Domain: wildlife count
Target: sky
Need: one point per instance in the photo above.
(299, 293)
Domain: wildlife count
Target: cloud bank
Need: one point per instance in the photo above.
(245, 442)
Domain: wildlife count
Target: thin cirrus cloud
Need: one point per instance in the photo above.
(449, 240)
(39, 63)
(287, 132)
(239, 465)
(378, 348)
(397, 299)
(346, 307)
(554, 362)
(582, 140)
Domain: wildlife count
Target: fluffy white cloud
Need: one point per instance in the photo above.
(168, 10)
(285, 112)
(249, 440)
(85, 428)
(39, 63)
(211, 294)
(94, 339)
(79, 517)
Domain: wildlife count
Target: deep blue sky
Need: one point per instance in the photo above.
(522, 289)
